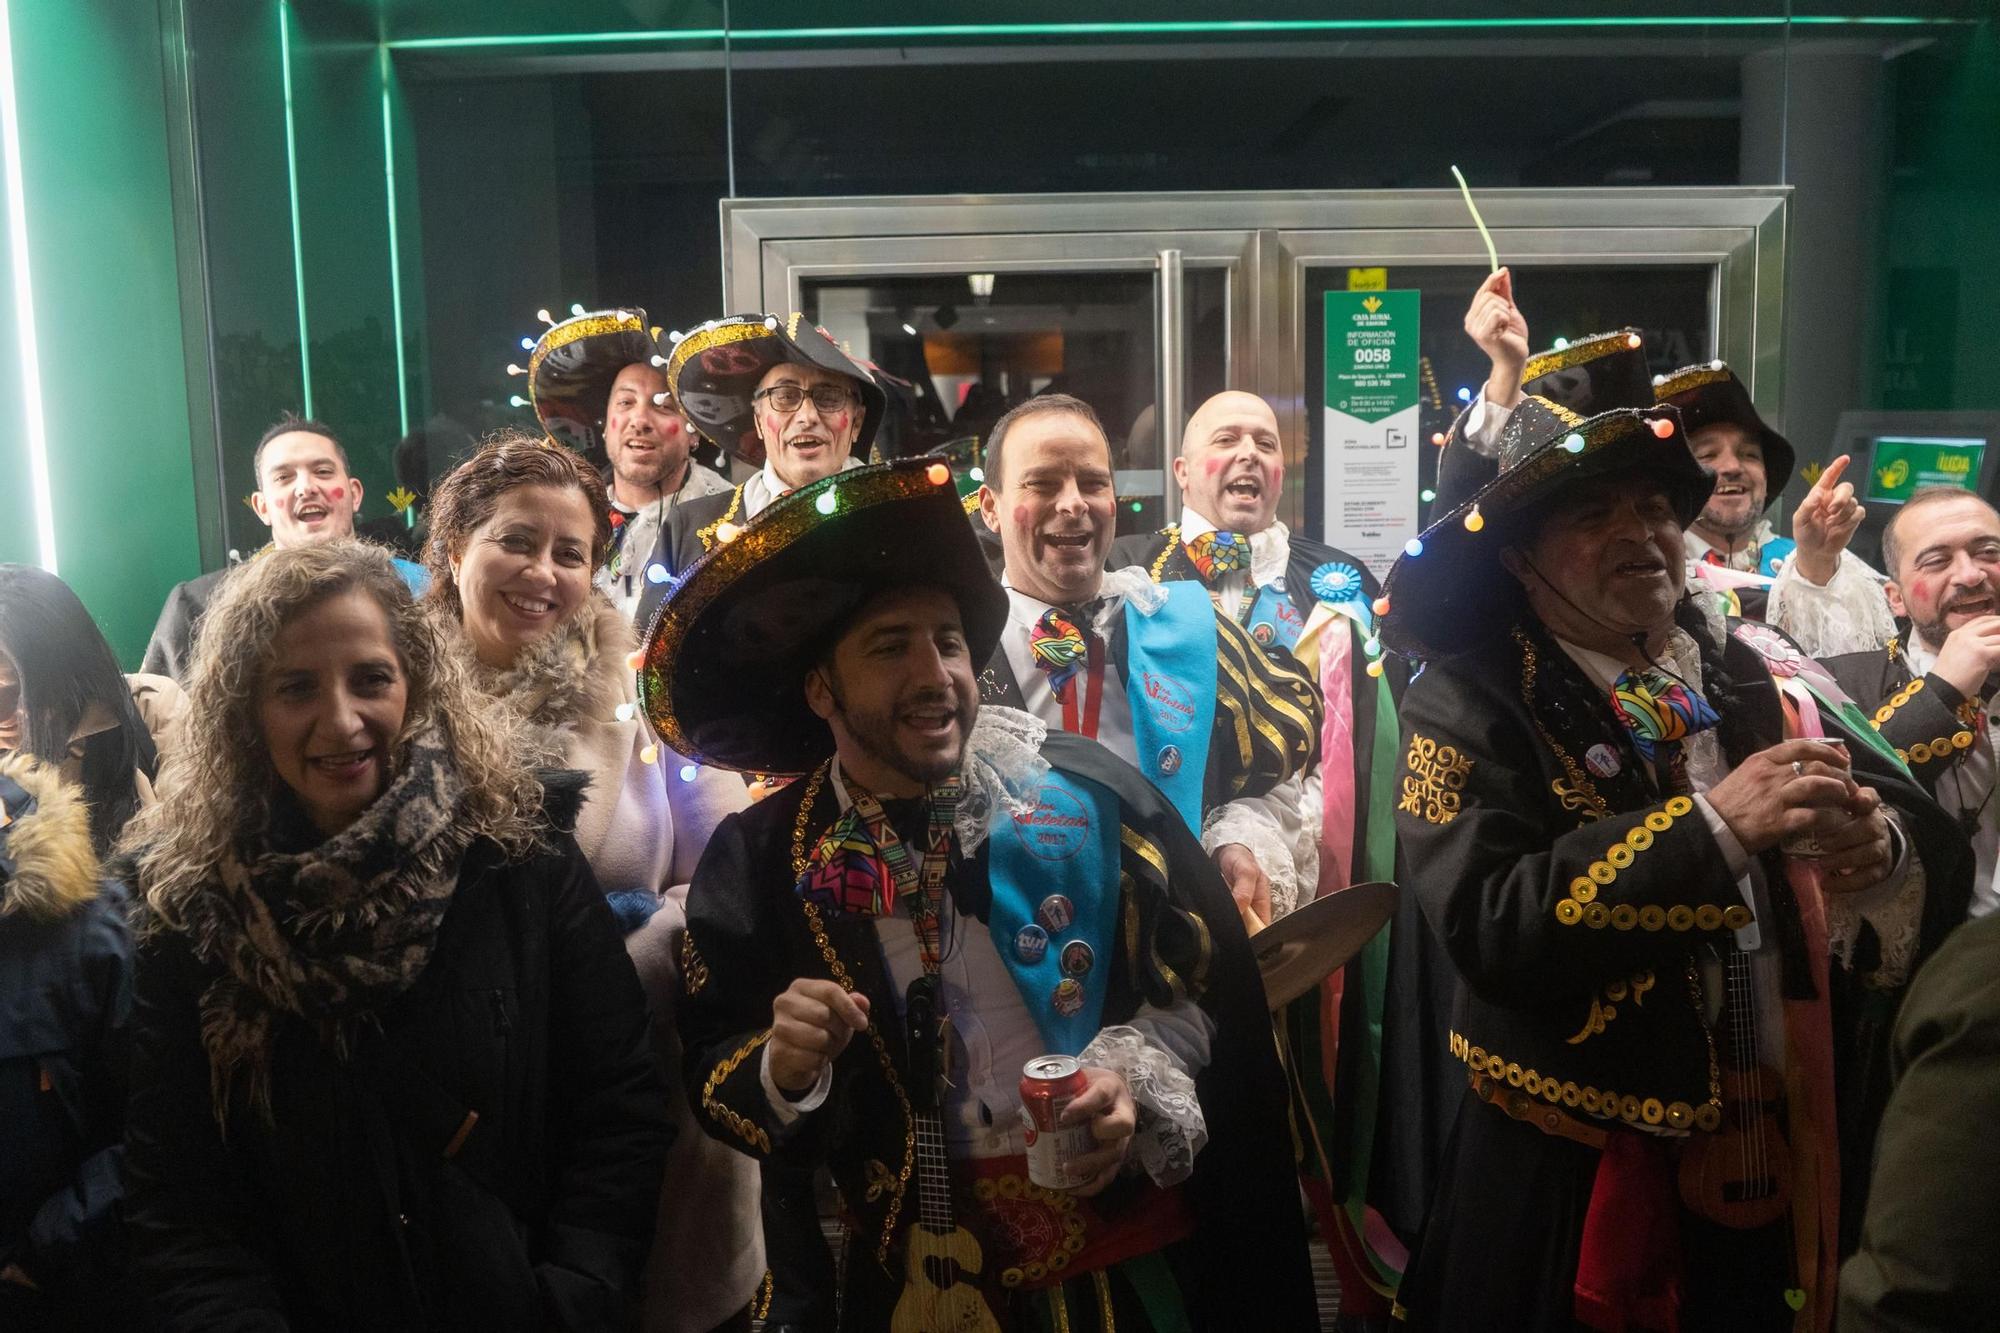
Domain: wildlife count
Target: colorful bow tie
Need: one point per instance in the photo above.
(1059, 650)
(1219, 553)
(1658, 710)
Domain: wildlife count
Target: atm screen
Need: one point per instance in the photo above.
(1901, 465)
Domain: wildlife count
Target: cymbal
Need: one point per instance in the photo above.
(1298, 951)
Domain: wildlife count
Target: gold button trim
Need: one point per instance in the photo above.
(1961, 740)
(1659, 821)
(1581, 904)
(1920, 753)
(1708, 917)
(1736, 917)
(1582, 888)
(1678, 806)
(1605, 1104)
(1639, 839)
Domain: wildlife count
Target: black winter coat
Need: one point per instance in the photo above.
(65, 994)
(351, 1210)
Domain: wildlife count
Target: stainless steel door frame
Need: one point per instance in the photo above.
(1269, 241)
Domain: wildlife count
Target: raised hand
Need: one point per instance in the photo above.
(1971, 653)
(811, 1023)
(1825, 522)
(1495, 323)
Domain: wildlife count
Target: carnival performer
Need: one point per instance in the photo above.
(1298, 596)
(63, 700)
(1814, 589)
(780, 395)
(950, 892)
(66, 968)
(390, 1060)
(516, 531)
(1929, 687)
(597, 380)
(1168, 683)
(306, 493)
(1666, 1024)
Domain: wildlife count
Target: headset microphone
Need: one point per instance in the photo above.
(1637, 640)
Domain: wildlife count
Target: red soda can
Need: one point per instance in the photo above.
(1049, 1083)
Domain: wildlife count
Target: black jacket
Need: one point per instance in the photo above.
(684, 538)
(343, 1212)
(65, 996)
(750, 936)
(1928, 721)
(172, 643)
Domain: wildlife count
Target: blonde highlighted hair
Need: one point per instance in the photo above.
(215, 785)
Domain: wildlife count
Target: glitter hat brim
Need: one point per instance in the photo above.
(574, 365)
(1457, 594)
(714, 370)
(1710, 392)
(722, 673)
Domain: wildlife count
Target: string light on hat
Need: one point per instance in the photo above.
(727, 532)
(544, 316)
(527, 344)
(657, 573)
(939, 474)
(1474, 520)
(1561, 343)
(516, 368)
(623, 712)
(689, 772)
(1662, 426)
(517, 401)
(576, 307)
(1573, 442)
(1413, 548)
(827, 501)
(1381, 606)
(1438, 438)
(1427, 495)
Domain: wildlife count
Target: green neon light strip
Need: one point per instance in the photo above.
(35, 425)
(1211, 28)
(395, 252)
(292, 175)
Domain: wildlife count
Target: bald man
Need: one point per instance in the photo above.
(1316, 603)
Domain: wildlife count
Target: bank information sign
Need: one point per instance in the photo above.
(1906, 464)
(1370, 471)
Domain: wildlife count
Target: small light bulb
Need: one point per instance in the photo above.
(624, 712)
(576, 307)
(910, 329)
(827, 502)
(527, 344)
(1632, 340)
(658, 360)
(978, 474)
(514, 369)
(1375, 667)
(1662, 427)
(635, 659)
(1474, 521)
(1381, 606)
(1561, 343)
(1427, 496)
(1464, 395)
(688, 772)
(1372, 646)
(656, 573)
(1438, 438)
(938, 473)
(650, 755)
(543, 315)
(517, 401)
(659, 400)
(1413, 548)
(727, 532)
(1573, 442)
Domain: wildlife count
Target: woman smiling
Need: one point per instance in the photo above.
(390, 1062)
(517, 532)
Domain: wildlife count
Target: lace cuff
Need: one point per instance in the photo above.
(1849, 615)
(1238, 822)
(1898, 919)
(1171, 1128)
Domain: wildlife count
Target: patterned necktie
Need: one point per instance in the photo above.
(1059, 649)
(1660, 712)
(1218, 553)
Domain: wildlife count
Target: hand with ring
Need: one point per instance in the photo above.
(1793, 787)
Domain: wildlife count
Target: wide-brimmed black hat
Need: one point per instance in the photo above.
(1710, 392)
(1448, 591)
(722, 675)
(1588, 376)
(574, 364)
(715, 368)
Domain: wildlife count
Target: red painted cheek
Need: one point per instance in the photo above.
(338, 492)
(1024, 517)
(837, 422)
(1213, 466)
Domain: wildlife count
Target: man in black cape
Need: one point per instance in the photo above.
(835, 637)
(1598, 773)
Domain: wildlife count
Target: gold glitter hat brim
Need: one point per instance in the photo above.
(722, 673)
(715, 368)
(1709, 393)
(1592, 375)
(575, 363)
(1456, 593)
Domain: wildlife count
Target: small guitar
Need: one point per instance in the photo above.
(941, 1260)
(1740, 1176)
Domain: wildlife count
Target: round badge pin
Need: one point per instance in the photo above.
(1068, 997)
(1055, 913)
(1077, 959)
(1030, 943)
(1263, 633)
(1602, 760)
(1169, 760)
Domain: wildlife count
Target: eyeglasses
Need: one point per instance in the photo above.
(789, 397)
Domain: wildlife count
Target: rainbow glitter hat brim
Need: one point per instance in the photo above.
(722, 673)
(575, 363)
(1454, 593)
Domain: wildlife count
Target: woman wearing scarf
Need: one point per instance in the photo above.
(517, 532)
(390, 1063)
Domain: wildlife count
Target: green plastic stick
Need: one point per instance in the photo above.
(1492, 255)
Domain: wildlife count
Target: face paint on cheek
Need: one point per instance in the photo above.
(1213, 466)
(338, 492)
(837, 422)
(1023, 516)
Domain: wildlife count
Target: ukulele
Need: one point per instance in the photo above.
(941, 1260)
(1740, 1176)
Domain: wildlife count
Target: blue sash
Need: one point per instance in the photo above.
(1778, 548)
(1067, 849)
(1274, 622)
(1170, 671)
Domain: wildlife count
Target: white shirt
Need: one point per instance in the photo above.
(1270, 552)
(1114, 710)
(766, 485)
(1969, 786)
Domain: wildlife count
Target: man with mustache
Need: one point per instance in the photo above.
(946, 893)
(1601, 776)
(780, 395)
(1167, 682)
(1928, 689)
(597, 376)
(305, 495)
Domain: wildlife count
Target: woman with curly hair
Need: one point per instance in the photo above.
(517, 533)
(390, 1063)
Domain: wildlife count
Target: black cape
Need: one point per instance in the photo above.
(750, 935)
(172, 643)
